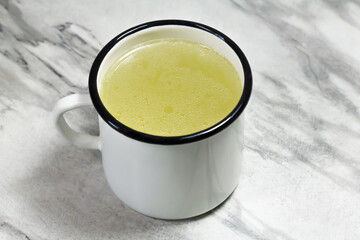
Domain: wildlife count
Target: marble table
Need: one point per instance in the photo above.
(301, 175)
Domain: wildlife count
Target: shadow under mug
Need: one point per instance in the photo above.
(165, 177)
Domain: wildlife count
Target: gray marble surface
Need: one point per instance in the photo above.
(301, 174)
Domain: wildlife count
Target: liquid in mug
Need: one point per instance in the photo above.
(170, 87)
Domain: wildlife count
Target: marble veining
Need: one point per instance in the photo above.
(301, 174)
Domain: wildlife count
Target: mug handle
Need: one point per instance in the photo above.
(69, 103)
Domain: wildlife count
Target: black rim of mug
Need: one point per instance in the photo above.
(171, 140)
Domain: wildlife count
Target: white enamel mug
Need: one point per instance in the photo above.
(165, 177)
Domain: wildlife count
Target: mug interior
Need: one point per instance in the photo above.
(169, 29)
(166, 32)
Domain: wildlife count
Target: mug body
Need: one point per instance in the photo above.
(173, 181)
(171, 177)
